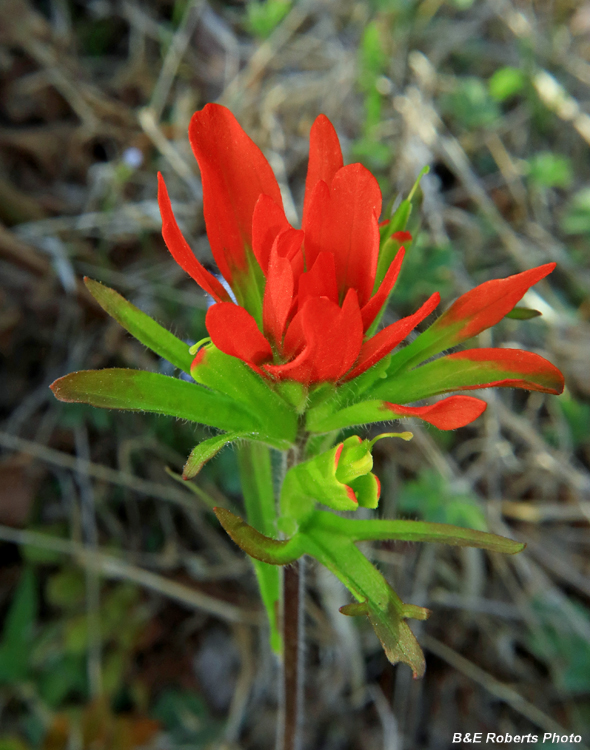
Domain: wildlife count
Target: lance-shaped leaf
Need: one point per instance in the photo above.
(232, 377)
(380, 603)
(471, 369)
(136, 390)
(362, 530)
(141, 326)
(448, 414)
(472, 313)
(257, 545)
(259, 498)
(206, 450)
(339, 554)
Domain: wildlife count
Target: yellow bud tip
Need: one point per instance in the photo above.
(403, 435)
(195, 347)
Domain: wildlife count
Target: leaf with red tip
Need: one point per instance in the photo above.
(448, 414)
(342, 220)
(234, 331)
(472, 313)
(386, 340)
(325, 158)
(137, 390)
(234, 173)
(278, 297)
(374, 305)
(180, 249)
(472, 369)
(268, 221)
(333, 338)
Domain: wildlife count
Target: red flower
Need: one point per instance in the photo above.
(317, 297)
(306, 298)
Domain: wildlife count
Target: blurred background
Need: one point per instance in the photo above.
(127, 618)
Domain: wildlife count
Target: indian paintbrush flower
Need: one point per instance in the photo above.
(307, 299)
(295, 355)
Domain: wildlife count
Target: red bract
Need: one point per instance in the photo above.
(307, 298)
(317, 292)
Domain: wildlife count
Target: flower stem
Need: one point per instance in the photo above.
(293, 628)
(293, 662)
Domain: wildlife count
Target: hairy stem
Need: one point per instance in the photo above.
(293, 635)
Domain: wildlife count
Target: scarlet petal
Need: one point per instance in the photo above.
(488, 303)
(447, 414)
(343, 220)
(320, 281)
(268, 221)
(234, 331)
(325, 157)
(371, 309)
(386, 340)
(234, 173)
(278, 296)
(180, 250)
(333, 338)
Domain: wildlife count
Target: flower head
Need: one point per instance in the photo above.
(307, 300)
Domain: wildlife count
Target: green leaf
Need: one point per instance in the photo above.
(136, 390)
(332, 540)
(384, 608)
(206, 450)
(523, 313)
(18, 630)
(232, 377)
(259, 499)
(359, 530)
(141, 326)
(365, 412)
(258, 545)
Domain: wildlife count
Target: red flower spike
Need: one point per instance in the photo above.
(333, 338)
(371, 309)
(180, 249)
(504, 364)
(386, 340)
(447, 414)
(268, 221)
(325, 158)
(234, 331)
(234, 173)
(278, 296)
(488, 303)
(342, 220)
